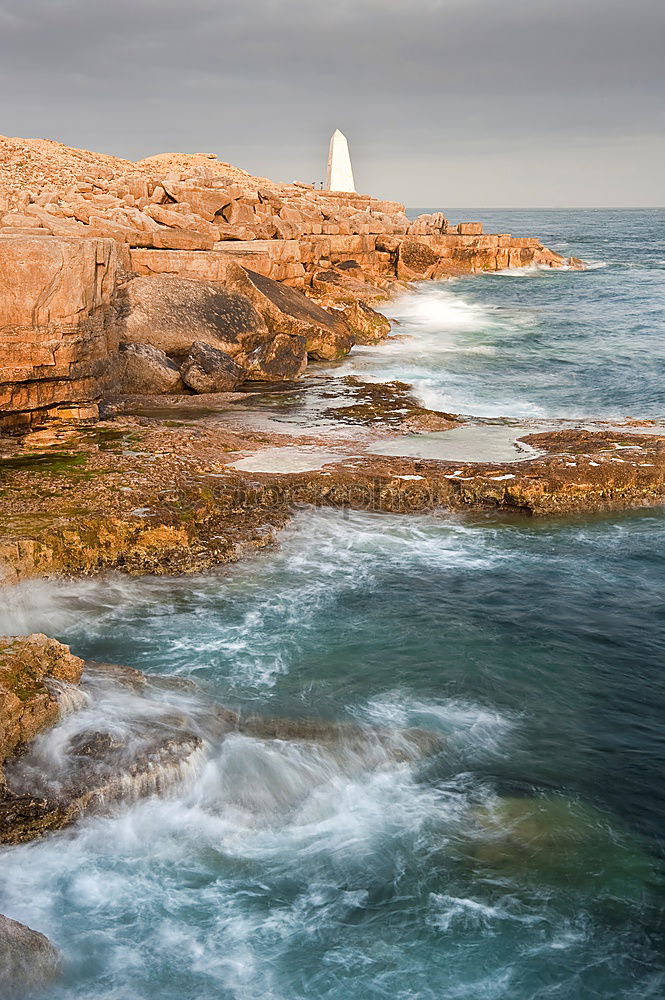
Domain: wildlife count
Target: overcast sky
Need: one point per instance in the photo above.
(444, 102)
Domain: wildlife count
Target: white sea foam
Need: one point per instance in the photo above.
(436, 310)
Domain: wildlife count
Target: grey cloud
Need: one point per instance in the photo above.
(424, 89)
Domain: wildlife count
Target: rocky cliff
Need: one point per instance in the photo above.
(77, 230)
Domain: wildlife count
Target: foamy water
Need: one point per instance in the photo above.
(537, 342)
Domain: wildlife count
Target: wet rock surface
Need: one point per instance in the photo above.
(31, 668)
(367, 325)
(161, 493)
(28, 960)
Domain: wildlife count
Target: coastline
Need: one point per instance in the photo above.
(179, 482)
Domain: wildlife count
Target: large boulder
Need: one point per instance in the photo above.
(205, 369)
(28, 960)
(346, 285)
(416, 260)
(281, 359)
(144, 369)
(172, 313)
(288, 311)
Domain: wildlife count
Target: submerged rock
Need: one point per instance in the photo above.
(28, 960)
(372, 745)
(558, 841)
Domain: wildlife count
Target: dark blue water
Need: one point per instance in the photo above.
(525, 861)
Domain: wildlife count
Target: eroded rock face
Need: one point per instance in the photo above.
(205, 369)
(143, 368)
(172, 313)
(28, 960)
(28, 699)
(287, 311)
(55, 340)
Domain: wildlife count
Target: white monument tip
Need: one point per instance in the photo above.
(340, 174)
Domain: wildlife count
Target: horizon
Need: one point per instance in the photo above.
(444, 103)
(412, 207)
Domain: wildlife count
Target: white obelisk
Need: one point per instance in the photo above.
(340, 174)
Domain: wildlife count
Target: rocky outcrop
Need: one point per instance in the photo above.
(442, 255)
(28, 960)
(205, 369)
(287, 311)
(55, 338)
(169, 238)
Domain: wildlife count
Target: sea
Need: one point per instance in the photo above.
(523, 861)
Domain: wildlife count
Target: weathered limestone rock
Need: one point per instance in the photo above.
(28, 699)
(171, 313)
(55, 340)
(287, 310)
(203, 201)
(278, 259)
(425, 224)
(28, 960)
(368, 325)
(346, 285)
(205, 369)
(164, 216)
(416, 260)
(143, 368)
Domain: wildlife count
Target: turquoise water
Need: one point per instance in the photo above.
(524, 861)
